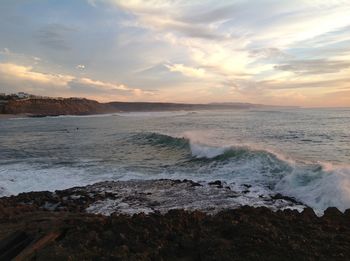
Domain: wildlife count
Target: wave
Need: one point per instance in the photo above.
(200, 150)
(266, 173)
(316, 184)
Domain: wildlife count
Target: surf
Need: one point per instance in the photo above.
(316, 184)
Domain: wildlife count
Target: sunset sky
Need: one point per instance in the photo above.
(279, 52)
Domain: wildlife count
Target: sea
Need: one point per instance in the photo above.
(298, 153)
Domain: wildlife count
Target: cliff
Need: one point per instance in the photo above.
(162, 106)
(48, 106)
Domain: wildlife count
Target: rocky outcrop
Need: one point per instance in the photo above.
(55, 226)
(242, 234)
(45, 106)
(52, 107)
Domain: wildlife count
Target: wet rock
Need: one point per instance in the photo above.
(332, 212)
(308, 213)
(216, 183)
(290, 199)
(245, 233)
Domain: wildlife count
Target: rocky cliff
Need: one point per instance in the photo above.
(48, 106)
(79, 106)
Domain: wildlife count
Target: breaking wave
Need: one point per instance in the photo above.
(265, 172)
(316, 184)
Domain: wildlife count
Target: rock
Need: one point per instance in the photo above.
(290, 199)
(216, 183)
(246, 233)
(56, 106)
(332, 212)
(308, 213)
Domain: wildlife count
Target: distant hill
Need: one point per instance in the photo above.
(46, 106)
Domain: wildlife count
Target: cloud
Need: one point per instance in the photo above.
(269, 53)
(304, 84)
(26, 73)
(316, 66)
(159, 16)
(9, 54)
(55, 36)
(217, 14)
(200, 50)
(186, 70)
(24, 78)
(102, 85)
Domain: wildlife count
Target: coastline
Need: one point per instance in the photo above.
(66, 227)
(13, 116)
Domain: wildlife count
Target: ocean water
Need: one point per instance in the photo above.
(301, 153)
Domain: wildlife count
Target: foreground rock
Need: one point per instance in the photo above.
(242, 234)
(56, 226)
(147, 196)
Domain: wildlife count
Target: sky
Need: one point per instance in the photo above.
(278, 52)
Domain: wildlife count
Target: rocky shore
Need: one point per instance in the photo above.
(51, 106)
(165, 220)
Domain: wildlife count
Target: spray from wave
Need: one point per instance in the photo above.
(265, 172)
(317, 185)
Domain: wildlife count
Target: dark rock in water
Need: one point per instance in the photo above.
(195, 184)
(308, 213)
(332, 212)
(290, 199)
(216, 183)
(347, 213)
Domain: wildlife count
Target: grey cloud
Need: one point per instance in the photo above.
(218, 14)
(55, 36)
(259, 87)
(246, 87)
(186, 24)
(299, 85)
(192, 30)
(268, 53)
(316, 66)
(329, 38)
(199, 32)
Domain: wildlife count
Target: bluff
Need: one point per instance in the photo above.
(51, 106)
(46, 106)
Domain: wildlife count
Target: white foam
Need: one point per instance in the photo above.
(319, 190)
(202, 151)
(17, 178)
(137, 196)
(318, 185)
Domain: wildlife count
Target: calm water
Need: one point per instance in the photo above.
(300, 153)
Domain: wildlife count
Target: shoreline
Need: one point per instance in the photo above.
(13, 116)
(59, 225)
(151, 196)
